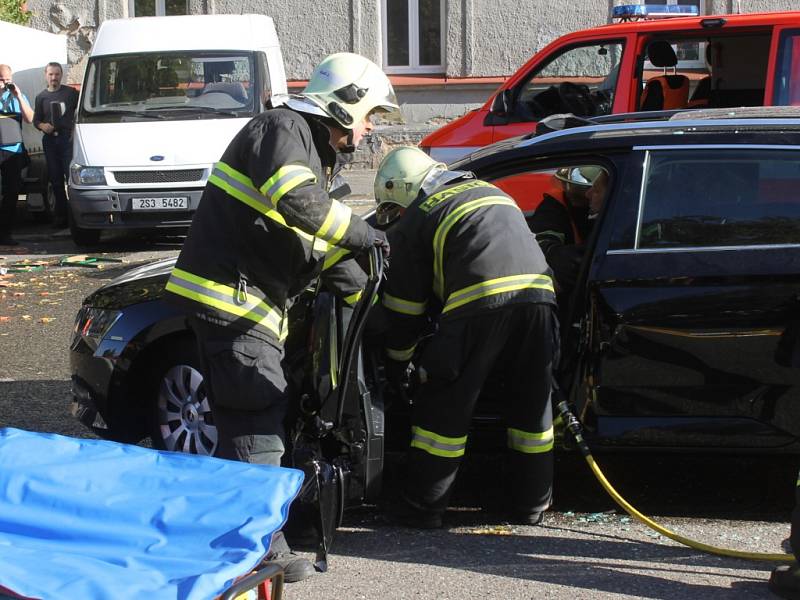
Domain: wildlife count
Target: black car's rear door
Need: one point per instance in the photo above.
(693, 302)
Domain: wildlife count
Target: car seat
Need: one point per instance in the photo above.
(234, 89)
(665, 92)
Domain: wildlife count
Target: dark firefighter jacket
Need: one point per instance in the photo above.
(561, 233)
(461, 250)
(266, 228)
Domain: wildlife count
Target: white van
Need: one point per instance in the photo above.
(27, 51)
(162, 98)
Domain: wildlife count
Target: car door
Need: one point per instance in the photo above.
(687, 329)
(338, 431)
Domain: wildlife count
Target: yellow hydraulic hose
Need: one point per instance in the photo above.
(574, 426)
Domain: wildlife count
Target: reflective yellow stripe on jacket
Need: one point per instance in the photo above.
(530, 442)
(285, 180)
(499, 285)
(241, 187)
(226, 299)
(438, 445)
(447, 224)
(403, 306)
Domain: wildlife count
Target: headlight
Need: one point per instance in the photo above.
(88, 175)
(92, 324)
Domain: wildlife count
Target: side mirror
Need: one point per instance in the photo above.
(502, 108)
(503, 103)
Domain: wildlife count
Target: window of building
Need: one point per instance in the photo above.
(720, 198)
(157, 8)
(413, 36)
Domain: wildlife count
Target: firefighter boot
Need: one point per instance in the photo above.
(785, 581)
(406, 514)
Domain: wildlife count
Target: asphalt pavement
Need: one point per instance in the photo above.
(586, 548)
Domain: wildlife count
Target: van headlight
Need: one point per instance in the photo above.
(88, 175)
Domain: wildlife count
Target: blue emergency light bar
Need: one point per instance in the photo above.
(628, 12)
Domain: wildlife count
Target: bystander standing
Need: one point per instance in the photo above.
(54, 116)
(14, 108)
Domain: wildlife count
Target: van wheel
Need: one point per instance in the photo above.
(182, 419)
(83, 237)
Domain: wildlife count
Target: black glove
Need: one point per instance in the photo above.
(396, 373)
(381, 242)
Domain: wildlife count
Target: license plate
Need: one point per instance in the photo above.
(161, 203)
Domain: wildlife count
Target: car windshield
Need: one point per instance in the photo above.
(172, 85)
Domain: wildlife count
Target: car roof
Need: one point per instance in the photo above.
(692, 23)
(766, 125)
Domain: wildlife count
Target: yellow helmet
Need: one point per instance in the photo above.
(399, 179)
(348, 87)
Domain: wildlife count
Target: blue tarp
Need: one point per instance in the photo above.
(94, 519)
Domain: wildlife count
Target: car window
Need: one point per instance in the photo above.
(580, 80)
(712, 197)
(710, 72)
(787, 75)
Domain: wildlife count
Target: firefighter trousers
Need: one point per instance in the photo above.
(246, 387)
(519, 342)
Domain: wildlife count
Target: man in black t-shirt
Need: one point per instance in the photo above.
(54, 115)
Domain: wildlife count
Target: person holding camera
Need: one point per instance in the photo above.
(14, 108)
(54, 116)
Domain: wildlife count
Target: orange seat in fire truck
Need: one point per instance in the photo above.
(665, 92)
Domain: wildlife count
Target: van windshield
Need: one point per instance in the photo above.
(169, 86)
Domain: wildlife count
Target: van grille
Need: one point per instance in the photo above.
(175, 176)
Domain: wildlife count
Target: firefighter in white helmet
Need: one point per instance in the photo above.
(265, 229)
(462, 255)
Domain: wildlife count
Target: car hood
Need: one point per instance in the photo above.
(140, 284)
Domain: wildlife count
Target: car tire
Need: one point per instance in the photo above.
(181, 413)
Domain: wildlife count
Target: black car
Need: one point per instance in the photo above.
(682, 331)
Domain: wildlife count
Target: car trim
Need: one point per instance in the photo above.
(720, 147)
(640, 208)
(701, 249)
(663, 125)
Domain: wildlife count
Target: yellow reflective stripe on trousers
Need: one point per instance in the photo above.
(404, 307)
(401, 355)
(285, 180)
(530, 443)
(224, 298)
(444, 227)
(499, 285)
(239, 185)
(336, 223)
(438, 445)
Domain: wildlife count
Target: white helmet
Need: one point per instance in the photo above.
(348, 87)
(399, 179)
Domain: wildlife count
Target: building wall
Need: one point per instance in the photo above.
(482, 37)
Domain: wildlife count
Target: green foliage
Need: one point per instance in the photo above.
(13, 12)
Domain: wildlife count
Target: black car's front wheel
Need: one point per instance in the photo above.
(182, 416)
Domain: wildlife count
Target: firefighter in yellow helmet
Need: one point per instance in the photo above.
(462, 255)
(265, 229)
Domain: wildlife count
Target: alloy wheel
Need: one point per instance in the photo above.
(184, 413)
